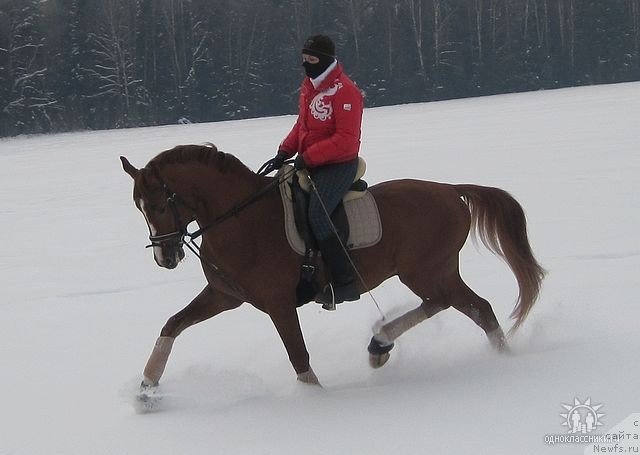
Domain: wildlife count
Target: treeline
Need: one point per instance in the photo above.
(95, 64)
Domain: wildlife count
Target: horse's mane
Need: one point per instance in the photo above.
(207, 154)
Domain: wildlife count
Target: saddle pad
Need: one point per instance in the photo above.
(365, 227)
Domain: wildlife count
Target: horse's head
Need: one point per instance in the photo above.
(166, 214)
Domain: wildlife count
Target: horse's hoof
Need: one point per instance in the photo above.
(498, 341)
(378, 353)
(147, 399)
(309, 377)
(376, 361)
(503, 348)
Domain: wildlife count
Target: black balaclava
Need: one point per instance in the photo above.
(322, 47)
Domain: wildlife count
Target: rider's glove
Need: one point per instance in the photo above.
(279, 159)
(299, 162)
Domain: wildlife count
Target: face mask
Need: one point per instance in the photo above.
(316, 69)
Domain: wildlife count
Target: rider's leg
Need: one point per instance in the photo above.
(332, 182)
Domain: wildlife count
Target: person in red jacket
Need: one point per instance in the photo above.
(326, 138)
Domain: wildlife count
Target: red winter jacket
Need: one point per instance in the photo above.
(328, 126)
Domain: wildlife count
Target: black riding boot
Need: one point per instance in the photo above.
(344, 286)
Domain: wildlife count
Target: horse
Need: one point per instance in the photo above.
(245, 255)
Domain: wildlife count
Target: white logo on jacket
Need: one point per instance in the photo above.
(319, 109)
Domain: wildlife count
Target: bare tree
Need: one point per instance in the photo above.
(634, 12)
(302, 12)
(113, 66)
(26, 101)
(479, 29)
(173, 13)
(547, 25)
(566, 20)
(354, 12)
(417, 22)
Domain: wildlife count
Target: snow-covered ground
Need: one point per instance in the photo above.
(82, 301)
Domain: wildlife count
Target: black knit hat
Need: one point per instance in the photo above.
(319, 46)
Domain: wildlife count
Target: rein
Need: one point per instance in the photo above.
(173, 199)
(241, 206)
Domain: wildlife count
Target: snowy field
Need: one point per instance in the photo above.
(82, 301)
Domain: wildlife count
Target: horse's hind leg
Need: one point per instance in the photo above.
(479, 311)
(438, 293)
(382, 342)
(206, 305)
(448, 289)
(426, 285)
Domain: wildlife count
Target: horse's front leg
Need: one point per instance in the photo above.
(207, 304)
(285, 319)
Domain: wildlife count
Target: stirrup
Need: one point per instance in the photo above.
(330, 306)
(332, 295)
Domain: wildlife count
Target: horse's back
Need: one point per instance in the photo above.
(420, 196)
(419, 188)
(422, 214)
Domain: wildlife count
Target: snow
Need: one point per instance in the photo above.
(83, 302)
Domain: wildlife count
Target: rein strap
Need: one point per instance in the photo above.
(239, 207)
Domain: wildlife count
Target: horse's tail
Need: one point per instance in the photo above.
(498, 219)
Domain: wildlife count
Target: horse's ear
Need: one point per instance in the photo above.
(128, 167)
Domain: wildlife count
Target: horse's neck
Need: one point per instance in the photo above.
(228, 240)
(218, 192)
(230, 243)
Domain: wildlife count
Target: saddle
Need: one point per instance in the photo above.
(357, 218)
(356, 191)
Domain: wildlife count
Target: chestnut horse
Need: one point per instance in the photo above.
(246, 257)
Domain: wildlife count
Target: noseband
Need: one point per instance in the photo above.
(177, 236)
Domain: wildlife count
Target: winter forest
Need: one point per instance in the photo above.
(96, 64)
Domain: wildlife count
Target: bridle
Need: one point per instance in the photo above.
(176, 237)
(173, 199)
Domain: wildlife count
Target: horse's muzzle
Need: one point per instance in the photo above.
(168, 249)
(168, 257)
(169, 260)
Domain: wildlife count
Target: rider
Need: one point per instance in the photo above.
(326, 137)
